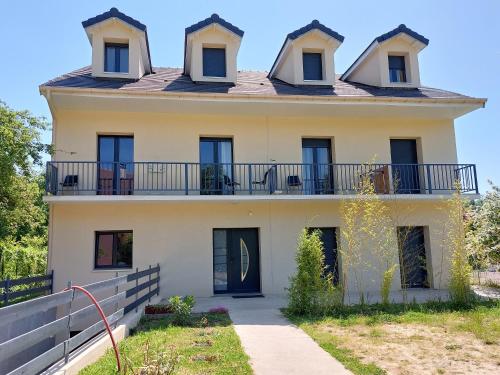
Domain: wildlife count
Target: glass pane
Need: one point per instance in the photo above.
(323, 169)
(312, 66)
(123, 249)
(104, 250)
(109, 60)
(220, 260)
(214, 62)
(123, 59)
(225, 156)
(106, 158)
(307, 172)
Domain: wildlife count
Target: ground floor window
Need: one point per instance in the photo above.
(412, 257)
(113, 249)
(329, 239)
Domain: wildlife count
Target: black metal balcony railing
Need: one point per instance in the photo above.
(155, 178)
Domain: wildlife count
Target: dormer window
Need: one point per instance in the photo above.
(214, 62)
(312, 63)
(306, 57)
(116, 58)
(397, 71)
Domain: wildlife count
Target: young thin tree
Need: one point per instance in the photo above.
(311, 288)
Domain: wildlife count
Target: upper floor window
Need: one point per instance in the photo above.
(116, 58)
(312, 63)
(397, 71)
(214, 62)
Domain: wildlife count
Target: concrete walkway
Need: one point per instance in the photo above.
(274, 345)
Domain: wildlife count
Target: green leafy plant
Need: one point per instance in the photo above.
(385, 288)
(181, 308)
(155, 362)
(460, 268)
(311, 291)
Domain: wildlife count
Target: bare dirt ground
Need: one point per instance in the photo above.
(418, 349)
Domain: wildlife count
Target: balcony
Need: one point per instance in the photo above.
(171, 178)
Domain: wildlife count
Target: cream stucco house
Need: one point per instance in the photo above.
(212, 172)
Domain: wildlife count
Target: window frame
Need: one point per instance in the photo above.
(117, 47)
(114, 250)
(223, 48)
(405, 70)
(320, 53)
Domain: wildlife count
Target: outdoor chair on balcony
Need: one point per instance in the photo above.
(379, 178)
(70, 184)
(293, 182)
(229, 184)
(268, 177)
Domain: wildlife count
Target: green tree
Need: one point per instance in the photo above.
(311, 290)
(483, 229)
(23, 214)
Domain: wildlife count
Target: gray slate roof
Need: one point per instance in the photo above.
(248, 83)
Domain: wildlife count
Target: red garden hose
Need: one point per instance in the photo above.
(103, 317)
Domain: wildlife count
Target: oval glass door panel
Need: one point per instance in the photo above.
(245, 261)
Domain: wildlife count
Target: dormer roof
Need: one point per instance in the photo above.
(314, 25)
(402, 29)
(214, 18)
(419, 40)
(114, 13)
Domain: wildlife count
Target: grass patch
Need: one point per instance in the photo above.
(480, 318)
(208, 344)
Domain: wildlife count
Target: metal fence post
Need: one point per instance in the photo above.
(149, 293)
(186, 176)
(6, 291)
(250, 179)
(116, 292)
(52, 282)
(475, 179)
(68, 336)
(429, 181)
(158, 280)
(136, 286)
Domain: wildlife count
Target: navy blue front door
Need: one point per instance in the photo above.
(236, 260)
(405, 172)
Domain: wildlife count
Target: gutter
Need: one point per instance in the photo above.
(305, 99)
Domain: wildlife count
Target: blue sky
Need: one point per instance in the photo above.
(43, 39)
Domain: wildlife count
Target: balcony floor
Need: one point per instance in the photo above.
(240, 198)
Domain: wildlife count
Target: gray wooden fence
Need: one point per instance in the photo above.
(14, 290)
(21, 353)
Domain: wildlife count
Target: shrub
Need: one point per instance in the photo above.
(181, 308)
(158, 309)
(218, 310)
(155, 362)
(311, 291)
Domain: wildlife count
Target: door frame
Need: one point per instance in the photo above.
(215, 155)
(228, 291)
(116, 156)
(315, 162)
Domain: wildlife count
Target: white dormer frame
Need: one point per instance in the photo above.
(213, 35)
(114, 30)
(372, 66)
(289, 63)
